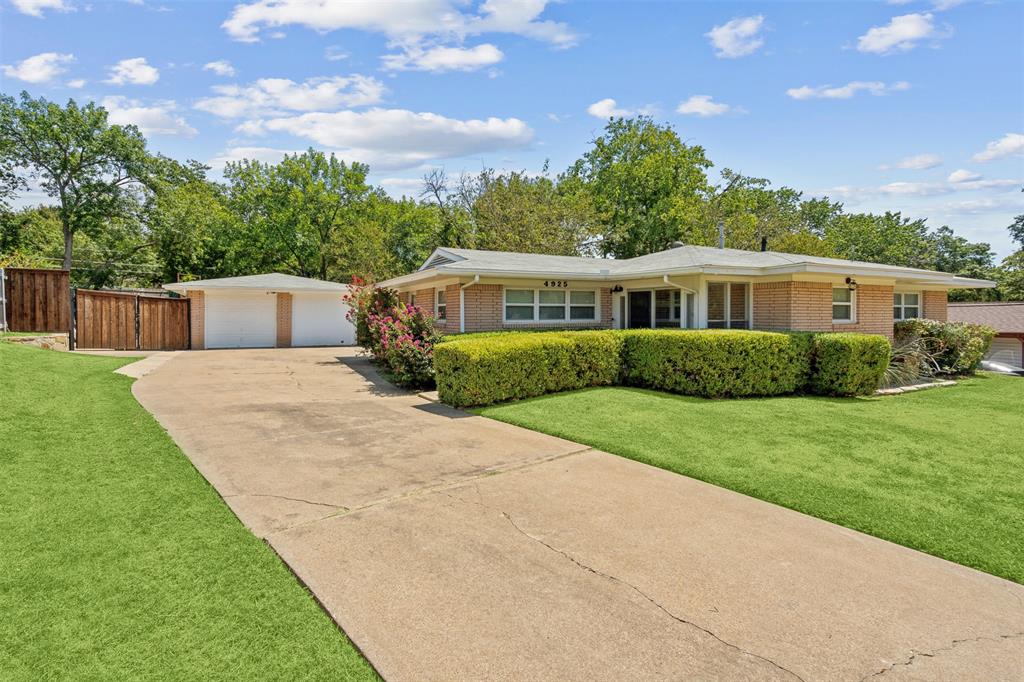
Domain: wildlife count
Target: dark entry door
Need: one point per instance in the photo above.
(639, 309)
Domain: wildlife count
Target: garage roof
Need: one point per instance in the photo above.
(272, 281)
(1005, 318)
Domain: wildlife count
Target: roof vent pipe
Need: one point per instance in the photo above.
(721, 234)
(764, 244)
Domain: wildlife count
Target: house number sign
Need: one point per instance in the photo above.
(556, 284)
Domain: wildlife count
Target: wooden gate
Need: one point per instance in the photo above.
(112, 320)
(163, 323)
(37, 300)
(105, 319)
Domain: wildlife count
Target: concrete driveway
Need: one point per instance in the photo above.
(452, 547)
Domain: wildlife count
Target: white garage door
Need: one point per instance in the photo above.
(319, 320)
(237, 319)
(1006, 350)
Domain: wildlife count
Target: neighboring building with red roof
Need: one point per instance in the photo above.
(1006, 318)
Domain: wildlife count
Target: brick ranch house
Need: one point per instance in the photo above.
(690, 287)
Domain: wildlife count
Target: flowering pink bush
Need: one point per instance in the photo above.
(400, 337)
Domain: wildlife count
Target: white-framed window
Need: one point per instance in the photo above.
(844, 302)
(550, 305)
(412, 298)
(728, 305)
(906, 306)
(441, 305)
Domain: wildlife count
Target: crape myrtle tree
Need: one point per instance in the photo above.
(97, 173)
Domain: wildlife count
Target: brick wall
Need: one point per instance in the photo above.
(935, 307)
(451, 325)
(284, 320)
(483, 307)
(807, 306)
(772, 305)
(198, 319)
(425, 299)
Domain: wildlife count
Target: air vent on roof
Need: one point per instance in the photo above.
(439, 259)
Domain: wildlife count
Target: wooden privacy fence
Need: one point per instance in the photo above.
(108, 319)
(36, 300)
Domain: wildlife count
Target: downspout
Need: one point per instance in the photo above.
(682, 317)
(462, 302)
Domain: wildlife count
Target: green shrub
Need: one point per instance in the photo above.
(716, 363)
(848, 364)
(491, 369)
(957, 347)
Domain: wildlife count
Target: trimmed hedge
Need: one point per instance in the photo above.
(848, 364)
(717, 363)
(482, 370)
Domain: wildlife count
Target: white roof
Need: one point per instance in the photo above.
(675, 261)
(272, 281)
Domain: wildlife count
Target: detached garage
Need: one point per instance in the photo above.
(1006, 317)
(267, 311)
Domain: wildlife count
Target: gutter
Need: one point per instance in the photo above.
(462, 302)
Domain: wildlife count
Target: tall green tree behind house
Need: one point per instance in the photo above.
(1010, 274)
(644, 183)
(291, 213)
(518, 212)
(97, 173)
(191, 231)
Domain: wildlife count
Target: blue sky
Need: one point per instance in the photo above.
(915, 106)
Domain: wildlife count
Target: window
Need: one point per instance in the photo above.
(546, 305)
(906, 306)
(666, 307)
(727, 305)
(518, 304)
(842, 305)
(552, 305)
(582, 305)
(412, 299)
(441, 306)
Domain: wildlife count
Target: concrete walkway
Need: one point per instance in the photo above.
(452, 547)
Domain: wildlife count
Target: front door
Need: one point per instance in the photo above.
(639, 309)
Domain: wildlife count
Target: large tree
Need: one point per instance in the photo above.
(519, 212)
(644, 184)
(291, 213)
(98, 173)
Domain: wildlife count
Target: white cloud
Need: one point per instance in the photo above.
(221, 67)
(135, 71)
(333, 53)
(916, 162)
(157, 119)
(35, 7)
(76, 83)
(737, 37)
(847, 91)
(1010, 144)
(40, 68)
(608, 108)
(274, 96)
(438, 59)
(923, 189)
(398, 138)
(702, 105)
(401, 187)
(402, 22)
(234, 154)
(962, 175)
(901, 34)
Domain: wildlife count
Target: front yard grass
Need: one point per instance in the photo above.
(119, 561)
(940, 470)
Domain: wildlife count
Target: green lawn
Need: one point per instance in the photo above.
(939, 470)
(118, 560)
